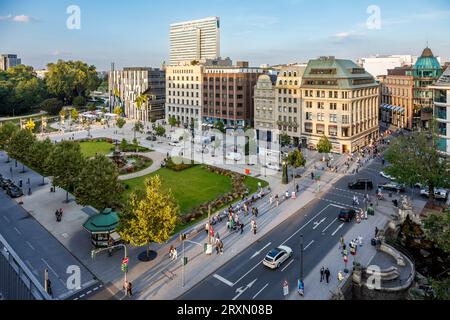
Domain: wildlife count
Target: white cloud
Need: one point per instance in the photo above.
(19, 18)
(346, 36)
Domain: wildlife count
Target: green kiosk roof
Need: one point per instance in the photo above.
(105, 221)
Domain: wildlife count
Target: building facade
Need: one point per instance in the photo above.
(397, 103)
(340, 101)
(195, 40)
(441, 100)
(131, 83)
(228, 94)
(184, 92)
(264, 101)
(380, 64)
(426, 72)
(9, 60)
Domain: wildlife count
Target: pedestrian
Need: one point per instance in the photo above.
(322, 274)
(242, 228)
(376, 231)
(256, 212)
(270, 200)
(327, 275)
(110, 244)
(254, 228)
(277, 200)
(174, 254)
(340, 276)
(130, 289)
(360, 240)
(207, 228)
(57, 215)
(171, 252)
(49, 287)
(342, 241)
(296, 188)
(221, 246)
(217, 246)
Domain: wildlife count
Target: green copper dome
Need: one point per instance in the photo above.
(427, 61)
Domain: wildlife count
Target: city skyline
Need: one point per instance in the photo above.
(260, 32)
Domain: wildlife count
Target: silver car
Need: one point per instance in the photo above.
(276, 257)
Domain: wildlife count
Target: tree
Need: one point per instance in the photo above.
(65, 162)
(30, 125)
(437, 229)
(104, 110)
(416, 159)
(138, 127)
(120, 122)
(296, 160)
(141, 101)
(52, 106)
(74, 114)
(39, 152)
(69, 79)
(160, 131)
(99, 184)
(20, 145)
(123, 145)
(219, 125)
(7, 130)
(118, 111)
(63, 113)
(285, 140)
(149, 216)
(91, 107)
(79, 101)
(324, 145)
(172, 121)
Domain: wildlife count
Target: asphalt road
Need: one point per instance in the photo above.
(246, 278)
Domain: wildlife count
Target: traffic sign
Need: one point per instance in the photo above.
(285, 289)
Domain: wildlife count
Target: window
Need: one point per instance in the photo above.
(309, 127)
(345, 107)
(309, 104)
(320, 129)
(333, 118)
(345, 119)
(309, 116)
(332, 131)
(333, 106)
(320, 105)
(320, 117)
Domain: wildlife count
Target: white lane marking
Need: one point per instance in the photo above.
(29, 244)
(339, 228)
(228, 283)
(96, 288)
(82, 295)
(259, 251)
(329, 225)
(17, 230)
(309, 245)
(304, 226)
(247, 273)
(50, 267)
(285, 267)
(89, 292)
(6, 219)
(318, 223)
(260, 291)
(241, 290)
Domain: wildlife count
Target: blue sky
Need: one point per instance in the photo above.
(135, 32)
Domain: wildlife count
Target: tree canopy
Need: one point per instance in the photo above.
(6, 132)
(98, 184)
(324, 145)
(149, 216)
(285, 140)
(20, 144)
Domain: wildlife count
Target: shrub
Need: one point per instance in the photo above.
(79, 102)
(52, 106)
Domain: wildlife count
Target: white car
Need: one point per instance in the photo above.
(439, 193)
(276, 257)
(234, 156)
(385, 175)
(273, 166)
(174, 143)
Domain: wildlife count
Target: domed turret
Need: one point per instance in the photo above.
(427, 61)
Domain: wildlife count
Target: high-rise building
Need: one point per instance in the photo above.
(130, 83)
(441, 94)
(340, 101)
(195, 40)
(426, 72)
(9, 60)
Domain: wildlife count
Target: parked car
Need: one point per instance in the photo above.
(273, 166)
(276, 257)
(347, 215)
(5, 183)
(385, 175)
(233, 156)
(174, 143)
(151, 138)
(439, 193)
(14, 191)
(392, 186)
(361, 184)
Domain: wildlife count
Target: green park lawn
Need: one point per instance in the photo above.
(90, 148)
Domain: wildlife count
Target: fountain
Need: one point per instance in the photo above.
(117, 156)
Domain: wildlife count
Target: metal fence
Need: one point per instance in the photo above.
(17, 282)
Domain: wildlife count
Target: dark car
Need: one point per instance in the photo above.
(14, 192)
(392, 186)
(346, 215)
(151, 138)
(361, 184)
(5, 183)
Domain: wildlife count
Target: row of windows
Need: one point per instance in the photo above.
(223, 96)
(182, 86)
(182, 101)
(287, 119)
(177, 94)
(287, 100)
(223, 104)
(343, 95)
(287, 109)
(290, 83)
(224, 112)
(182, 78)
(287, 91)
(231, 88)
(332, 118)
(183, 110)
(321, 105)
(332, 130)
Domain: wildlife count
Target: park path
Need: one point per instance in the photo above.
(157, 157)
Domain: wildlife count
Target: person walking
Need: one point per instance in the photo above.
(360, 240)
(277, 200)
(174, 254)
(322, 274)
(270, 200)
(242, 228)
(327, 275)
(297, 188)
(207, 228)
(376, 231)
(57, 215)
(342, 242)
(110, 244)
(129, 289)
(256, 212)
(312, 175)
(340, 276)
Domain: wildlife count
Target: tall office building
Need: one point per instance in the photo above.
(195, 40)
(441, 100)
(9, 60)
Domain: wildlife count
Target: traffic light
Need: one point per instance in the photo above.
(124, 267)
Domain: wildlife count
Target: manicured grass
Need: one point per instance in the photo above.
(191, 187)
(252, 184)
(90, 148)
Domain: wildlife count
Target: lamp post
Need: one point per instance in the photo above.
(94, 252)
(301, 257)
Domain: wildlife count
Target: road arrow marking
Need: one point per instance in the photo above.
(241, 290)
(318, 223)
(259, 251)
(339, 228)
